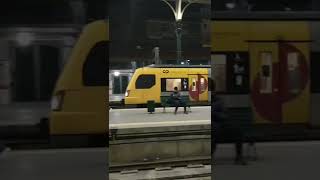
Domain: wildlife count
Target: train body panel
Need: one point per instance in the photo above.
(150, 83)
(276, 56)
(79, 100)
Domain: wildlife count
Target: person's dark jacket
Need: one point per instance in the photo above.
(218, 110)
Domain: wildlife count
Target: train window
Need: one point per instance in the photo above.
(219, 71)
(184, 86)
(124, 83)
(171, 83)
(145, 81)
(116, 85)
(168, 84)
(266, 72)
(95, 66)
(293, 72)
(202, 85)
(194, 84)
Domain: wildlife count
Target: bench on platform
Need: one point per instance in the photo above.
(166, 101)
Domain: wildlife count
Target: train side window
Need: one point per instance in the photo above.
(219, 63)
(184, 85)
(293, 72)
(116, 85)
(171, 83)
(194, 84)
(202, 85)
(95, 67)
(145, 81)
(124, 83)
(168, 84)
(266, 72)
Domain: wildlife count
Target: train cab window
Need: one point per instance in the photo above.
(95, 66)
(145, 81)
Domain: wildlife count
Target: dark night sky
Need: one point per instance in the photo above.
(269, 5)
(46, 11)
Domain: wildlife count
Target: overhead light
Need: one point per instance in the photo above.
(182, 62)
(24, 38)
(230, 5)
(117, 73)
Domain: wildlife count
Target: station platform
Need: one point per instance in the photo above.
(281, 160)
(140, 118)
(62, 164)
(21, 114)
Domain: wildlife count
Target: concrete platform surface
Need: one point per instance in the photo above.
(62, 164)
(278, 161)
(141, 117)
(175, 173)
(23, 113)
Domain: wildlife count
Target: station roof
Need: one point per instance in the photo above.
(266, 15)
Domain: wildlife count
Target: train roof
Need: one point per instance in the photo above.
(178, 66)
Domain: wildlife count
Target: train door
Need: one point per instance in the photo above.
(279, 82)
(295, 81)
(193, 88)
(203, 87)
(198, 85)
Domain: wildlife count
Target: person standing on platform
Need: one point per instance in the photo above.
(219, 129)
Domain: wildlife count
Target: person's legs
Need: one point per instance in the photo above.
(176, 109)
(239, 152)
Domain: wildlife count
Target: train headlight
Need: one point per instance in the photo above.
(56, 102)
(127, 93)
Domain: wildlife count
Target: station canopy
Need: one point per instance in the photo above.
(266, 15)
(194, 1)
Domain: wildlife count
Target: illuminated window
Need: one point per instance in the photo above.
(168, 85)
(202, 85)
(194, 84)
(171, 83)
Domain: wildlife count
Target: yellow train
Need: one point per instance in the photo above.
(80, 99)
(264, 65)
(152, 82)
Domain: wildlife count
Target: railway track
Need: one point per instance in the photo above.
(163, 165)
